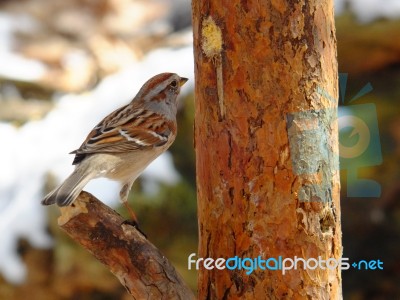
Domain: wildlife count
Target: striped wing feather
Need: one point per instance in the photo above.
(134, 130)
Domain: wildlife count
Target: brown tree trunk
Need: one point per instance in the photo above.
(266, 145)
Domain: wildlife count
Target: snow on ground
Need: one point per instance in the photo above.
(13, 65)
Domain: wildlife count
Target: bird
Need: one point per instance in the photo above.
(126, 141)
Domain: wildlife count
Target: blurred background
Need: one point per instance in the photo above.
(66, 64)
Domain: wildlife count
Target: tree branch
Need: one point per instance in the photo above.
(138, 264)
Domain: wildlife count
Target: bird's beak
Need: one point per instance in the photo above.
(183, 81)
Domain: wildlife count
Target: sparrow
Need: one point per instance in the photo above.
(126, 141)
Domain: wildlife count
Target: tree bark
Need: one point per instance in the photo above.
(138, 264)
(267, 145)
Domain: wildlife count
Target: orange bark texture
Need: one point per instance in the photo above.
(258, 65)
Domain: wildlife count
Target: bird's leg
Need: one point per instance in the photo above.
(124, 199)
(124, 193)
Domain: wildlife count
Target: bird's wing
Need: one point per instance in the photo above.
(125, 130)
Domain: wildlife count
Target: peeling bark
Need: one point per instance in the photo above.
(139, 265)
(267, 171)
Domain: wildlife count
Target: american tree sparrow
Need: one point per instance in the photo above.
(125, 142)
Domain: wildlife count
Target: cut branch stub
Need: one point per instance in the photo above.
(138, 264)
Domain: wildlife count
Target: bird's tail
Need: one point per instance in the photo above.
(69, 190)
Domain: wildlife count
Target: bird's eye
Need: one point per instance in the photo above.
(174, 84)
